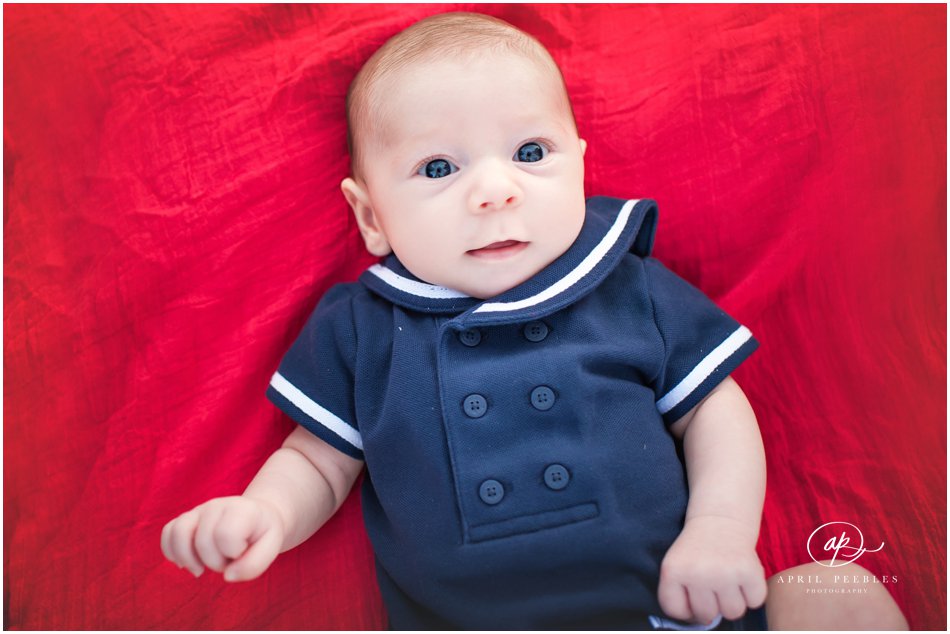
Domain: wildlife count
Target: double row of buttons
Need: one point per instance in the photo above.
(556, 477)
(534, 331)
(542, 399)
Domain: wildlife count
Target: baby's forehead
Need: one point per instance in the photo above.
(415, 67)
(465, 77)
(404, 76)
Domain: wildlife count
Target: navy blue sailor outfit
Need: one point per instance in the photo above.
(520, 471)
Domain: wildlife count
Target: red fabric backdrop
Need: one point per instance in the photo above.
(172, 214)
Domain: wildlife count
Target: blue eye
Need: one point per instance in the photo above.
(437, 168)
(530, 153)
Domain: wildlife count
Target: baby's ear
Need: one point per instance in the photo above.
(371, 230)
(583, 147)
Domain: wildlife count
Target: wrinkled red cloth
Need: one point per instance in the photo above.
(172, 213)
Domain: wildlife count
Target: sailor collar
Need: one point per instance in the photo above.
(612, 228)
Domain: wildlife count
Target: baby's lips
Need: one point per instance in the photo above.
(496, 246)
(500, 245)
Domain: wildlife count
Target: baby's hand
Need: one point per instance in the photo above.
(711, 569)
(238, 536)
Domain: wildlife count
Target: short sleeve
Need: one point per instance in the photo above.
(314, 383)
(702, 344)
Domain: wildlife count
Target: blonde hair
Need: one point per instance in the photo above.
(454, 35)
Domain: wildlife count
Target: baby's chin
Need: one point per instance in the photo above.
(485, 279)
(488, 286)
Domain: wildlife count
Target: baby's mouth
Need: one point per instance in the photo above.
(498, 250)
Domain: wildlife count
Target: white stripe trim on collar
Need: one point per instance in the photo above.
(323, 416)
(703, 369)
(572, 278)
(419, 289)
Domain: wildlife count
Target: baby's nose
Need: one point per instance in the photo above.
(495, 188)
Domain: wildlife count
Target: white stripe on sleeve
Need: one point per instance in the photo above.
(323, 416)
(703, 369)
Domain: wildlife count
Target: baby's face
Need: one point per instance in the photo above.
(474, 175)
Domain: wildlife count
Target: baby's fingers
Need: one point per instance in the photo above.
(673, 599)
(755, 591)
(236, 529)
(732, 603)
(703, 605)
(257, 557)
(205, 542)
(178, 543)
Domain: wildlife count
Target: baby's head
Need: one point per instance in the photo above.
(465, 155)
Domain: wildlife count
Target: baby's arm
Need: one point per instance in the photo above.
(712, 567)
(296, 491)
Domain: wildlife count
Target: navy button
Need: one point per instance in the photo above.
(535, 331)
(491, 491)
(542, 397)
(470, 337)
(475, 406)
(556, 477)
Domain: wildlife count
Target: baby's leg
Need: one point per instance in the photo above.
(790, 606)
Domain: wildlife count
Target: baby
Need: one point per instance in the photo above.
(517, 375)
